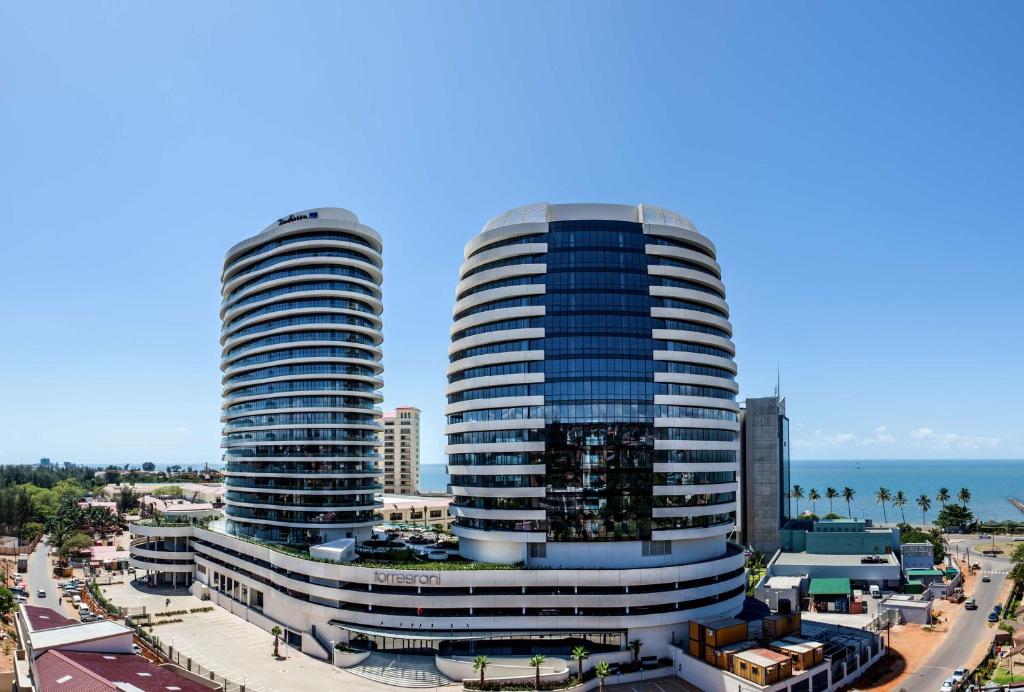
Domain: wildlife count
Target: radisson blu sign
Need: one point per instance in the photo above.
(298, 217)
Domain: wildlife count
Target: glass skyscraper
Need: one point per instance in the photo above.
(301, 358)
(592, 392)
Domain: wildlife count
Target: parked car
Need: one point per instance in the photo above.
(985, 578)
(993, 617)
(1018, 539)
(971, 604)
(975, 566)
(984, 535)
(875, 591)
(136, 649)
(20, 598)
(948, 686)
(959, 674)
(998, 608)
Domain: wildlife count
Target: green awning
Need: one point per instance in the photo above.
(829, 587)
(918, 573)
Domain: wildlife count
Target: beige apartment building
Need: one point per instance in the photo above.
(402, 451)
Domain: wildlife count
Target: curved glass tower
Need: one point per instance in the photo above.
(592, 415)
(301, 378)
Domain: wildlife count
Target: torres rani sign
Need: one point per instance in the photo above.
(407, 578)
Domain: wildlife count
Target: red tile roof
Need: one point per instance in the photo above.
(78, 671)
(40, 618)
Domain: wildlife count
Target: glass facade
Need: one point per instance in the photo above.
(301, 364)
(587, 423)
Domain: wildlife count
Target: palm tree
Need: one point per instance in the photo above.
(602, 670)
(813, 496)
(579, 654)
(797, 493)
(964, 496)
(831, 494)
(634, 646)
(882, 495)
(900, 501)
(277, 638)
(925, 503)
(537, 660)
(942, 496)
(480, 663)
(848, 494)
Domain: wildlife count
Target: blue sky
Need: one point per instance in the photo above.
(858, 166)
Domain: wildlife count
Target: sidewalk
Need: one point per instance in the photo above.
(232, 647)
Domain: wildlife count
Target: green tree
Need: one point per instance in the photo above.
(925, 503)
(30, 530)
(1018, 553)
(579, 654)
(954, 516)
(882, 496)
(942, 497)
(480, 664)
(127, 500)
(276, 631)
(848, 494)
(74, 543)
(634, 646)
(6, 601)
(900, 500)
(831, 494)
(537, 660)
(602, 670)
(797, 493)
(963, 497)
(813, 496)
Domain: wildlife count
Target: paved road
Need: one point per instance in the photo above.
(40, 576)
(970, 628)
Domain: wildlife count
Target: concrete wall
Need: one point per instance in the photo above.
(761, 475)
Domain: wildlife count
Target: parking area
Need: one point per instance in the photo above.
(669, 684)
(248, 660)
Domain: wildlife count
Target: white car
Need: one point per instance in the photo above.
(959, 674)
(948, 686)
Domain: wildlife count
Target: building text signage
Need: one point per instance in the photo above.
(298, 217)
(407, 578)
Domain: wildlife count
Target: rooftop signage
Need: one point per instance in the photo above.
(298, 217)
(407, 578)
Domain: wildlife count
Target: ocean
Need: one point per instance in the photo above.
(991, 483)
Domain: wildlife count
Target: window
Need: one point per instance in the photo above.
(538, 550)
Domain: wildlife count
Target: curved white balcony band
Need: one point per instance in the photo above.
(497, 402)
(502, 233)
(371, 254)
(690, 294)
(495, 294)
(696, 489)
(494, 359)
(703, 401)
(697, 359)
(489, 275)
(523, 334)
(496, 470)
(499, 535)
(155, 566)
(693, 316)
(229, 371)
(494, 381)
(496, 447)
(697, 444)
(501, 253)
(687, 275)
(695, 467)
(229, 314)
(233, 283)
(689, 337)
(672, 252)
(510, 424)
(714, 424)
(296, 312)
(499, 315)
(689, 234)
(228, 302)
(483, 491)
(500, 514)
(697, 380)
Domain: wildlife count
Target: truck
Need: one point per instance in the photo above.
(875, 591)
(22, 562)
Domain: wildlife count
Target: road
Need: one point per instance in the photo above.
(40, 576)
(971, 627)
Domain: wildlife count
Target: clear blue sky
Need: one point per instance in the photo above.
(857, 164)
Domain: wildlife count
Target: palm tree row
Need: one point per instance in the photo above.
(883, 496)
(579, 654)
